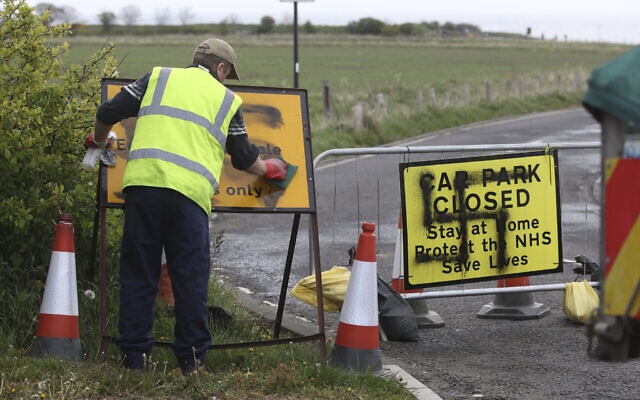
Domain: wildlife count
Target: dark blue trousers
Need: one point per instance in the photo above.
(157, 218)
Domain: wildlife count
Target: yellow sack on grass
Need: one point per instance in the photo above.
(579, 302)
(334, 288)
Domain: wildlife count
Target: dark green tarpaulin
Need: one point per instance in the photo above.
(614, 88)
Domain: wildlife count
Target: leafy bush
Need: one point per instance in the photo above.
(47, 110)
(366, 26)
(266, 25)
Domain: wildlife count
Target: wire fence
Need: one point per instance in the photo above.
(447, 95)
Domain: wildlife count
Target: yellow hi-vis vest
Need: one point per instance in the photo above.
(180, 135)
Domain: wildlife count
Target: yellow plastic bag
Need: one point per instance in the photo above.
(580, 301)
(334, 288)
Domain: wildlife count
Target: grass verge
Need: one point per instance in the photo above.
(290, 371)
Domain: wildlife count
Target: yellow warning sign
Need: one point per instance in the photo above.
(480, 218)
(277, 122)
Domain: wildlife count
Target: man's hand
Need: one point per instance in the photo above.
(276, 169)
(89, 142)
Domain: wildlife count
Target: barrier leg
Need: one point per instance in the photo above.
(517, 306)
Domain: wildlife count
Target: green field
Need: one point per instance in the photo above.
(361, 62)
(358, 68)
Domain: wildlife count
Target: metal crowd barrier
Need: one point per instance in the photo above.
(406, 150)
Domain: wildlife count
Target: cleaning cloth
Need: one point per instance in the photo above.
(291, 170)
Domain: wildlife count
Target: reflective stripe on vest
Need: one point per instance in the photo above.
(175, 159)
(214, 128)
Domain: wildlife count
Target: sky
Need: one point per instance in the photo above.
(591, 20)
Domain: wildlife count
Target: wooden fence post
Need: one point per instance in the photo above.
(487, 90)
(325, 97)
(540, 85)
(466, 94)
(559, 83)
(520, 88)
(357, 118)
(381, 105)
(580, 82)
(432, 97)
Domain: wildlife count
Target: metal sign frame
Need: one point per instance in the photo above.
(480, 218)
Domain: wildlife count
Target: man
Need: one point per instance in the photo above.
(187, 119)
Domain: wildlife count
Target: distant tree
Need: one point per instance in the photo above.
(266, 25)
(186, 15)
(130, 15)
(467, 28)
(308, 27)
(407, 29)
(223, 27)
(106, 18)
(464, 29)
(55, 13)
(162, 16)
(449, 26)
(70, 15)
(390, 30)
(366, 26)
(432, 26)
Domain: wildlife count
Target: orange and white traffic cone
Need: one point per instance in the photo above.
(357, 344)
(513, 305)
(165, 291)
(397, 280)
(425, 318)
(58, 331)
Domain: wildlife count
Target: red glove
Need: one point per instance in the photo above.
(90, 143)
(276, 169)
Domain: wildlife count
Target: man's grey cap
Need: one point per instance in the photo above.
(222, 49)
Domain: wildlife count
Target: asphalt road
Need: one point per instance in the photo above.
(469, 357)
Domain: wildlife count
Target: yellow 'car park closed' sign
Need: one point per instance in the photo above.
(480, 218)
(277, 122)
